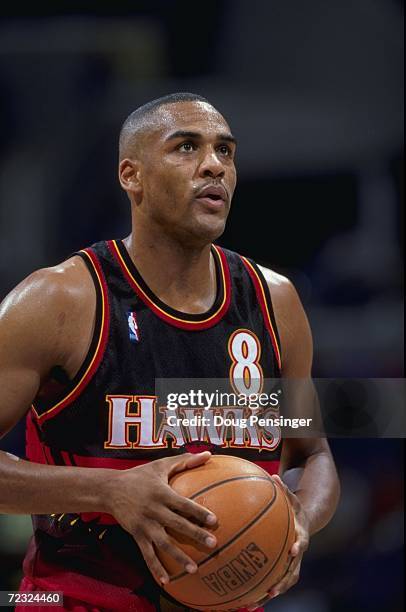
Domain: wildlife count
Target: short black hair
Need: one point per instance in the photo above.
(138, 118)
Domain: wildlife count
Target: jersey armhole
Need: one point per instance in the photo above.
(44, 410)
(265, 302)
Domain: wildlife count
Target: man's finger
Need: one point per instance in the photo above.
(290, 579)
(173, 465)
(155, 566)
(163, 542)
(182, 526)
(190, 509)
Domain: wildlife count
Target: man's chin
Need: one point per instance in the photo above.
(207, 230)
(198, 231)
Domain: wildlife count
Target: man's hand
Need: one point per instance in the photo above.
(299, 547)
(145, 505)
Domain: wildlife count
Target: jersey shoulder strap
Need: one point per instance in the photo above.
(244, 268)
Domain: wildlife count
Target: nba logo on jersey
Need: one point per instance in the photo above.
(133, 327)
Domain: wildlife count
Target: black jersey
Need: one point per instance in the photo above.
(110, 415)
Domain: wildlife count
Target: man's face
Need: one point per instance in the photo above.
(188, 174)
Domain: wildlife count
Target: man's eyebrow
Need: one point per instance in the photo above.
(197, 136)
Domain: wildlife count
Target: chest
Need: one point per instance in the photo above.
(143, 347)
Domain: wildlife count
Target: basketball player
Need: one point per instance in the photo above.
(82, 343)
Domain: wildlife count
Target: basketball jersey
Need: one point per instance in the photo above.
(109, 415)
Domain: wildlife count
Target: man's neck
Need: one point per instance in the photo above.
(182, 277)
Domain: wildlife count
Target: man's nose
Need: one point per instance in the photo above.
(211, 165)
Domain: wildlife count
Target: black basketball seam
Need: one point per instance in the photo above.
(217, 484)
(262, 579)
(242, 530)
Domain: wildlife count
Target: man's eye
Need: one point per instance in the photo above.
(224, 150)
(186, 146)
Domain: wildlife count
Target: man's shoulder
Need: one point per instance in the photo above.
(67, 278)
(47, 319)
(285, 298)
(67, 285)
(279, 285)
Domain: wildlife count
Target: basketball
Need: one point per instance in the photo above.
(254, 534)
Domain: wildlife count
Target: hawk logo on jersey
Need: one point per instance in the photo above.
(133, 327)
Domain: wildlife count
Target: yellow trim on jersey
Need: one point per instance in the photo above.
(276, 345)
(164, 312)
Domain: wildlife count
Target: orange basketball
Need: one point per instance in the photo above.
(254, 535)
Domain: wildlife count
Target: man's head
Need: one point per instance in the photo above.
(177, 167)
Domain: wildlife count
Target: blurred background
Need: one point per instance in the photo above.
(314, 93)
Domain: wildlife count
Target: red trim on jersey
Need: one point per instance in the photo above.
(115, 463)
(166, 316)
(82, 593)
(259, 290)
(34, 449)
(99, 352)
(48, 455)
(100, 517)
(66, 458)
(108, 462)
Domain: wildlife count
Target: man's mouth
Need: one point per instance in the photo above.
(215, 195)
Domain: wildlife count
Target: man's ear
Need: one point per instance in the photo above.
(129, 174)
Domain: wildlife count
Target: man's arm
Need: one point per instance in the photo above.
(46, 321)
(316, 492)
(318, 487)
(38, 322)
